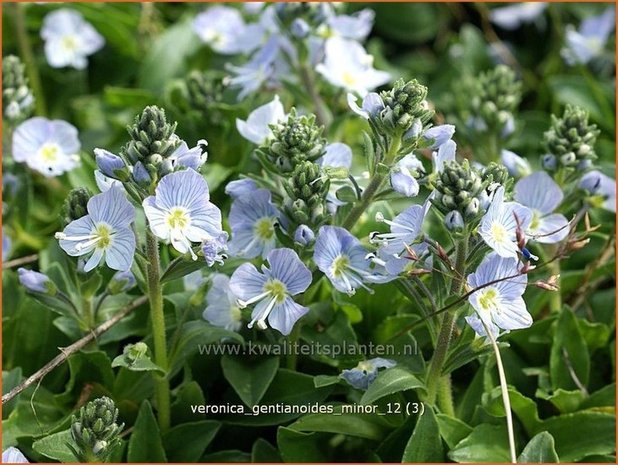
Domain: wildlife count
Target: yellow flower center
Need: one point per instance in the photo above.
(499, 232)
(277, 289)
(178, 218)
(49, 152)
(69, 43)
(348, 79)
(488, 299)
(339, 265)
(235, 313)
(104, 233)
(264, 229)
(536, 219)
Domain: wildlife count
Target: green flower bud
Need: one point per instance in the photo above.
(204, 91)
(497, 174)
(151, 137)
(571, 138)
(297, 139)
(95, 430)
(17, 98)
(459, 188)
(307, 189)
(405, 104)
(75, 205)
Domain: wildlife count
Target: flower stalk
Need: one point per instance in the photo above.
(155, 296)
(435, 380)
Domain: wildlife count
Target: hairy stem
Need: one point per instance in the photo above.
(155, 296)
(373, 187)
(434, 375)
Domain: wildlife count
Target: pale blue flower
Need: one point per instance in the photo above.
(588, 42)
(50, 147)
(405, 228)
(181, 212)
(300, 28)
(36, 282)
(337, 155)
(193, 281)
(445, 153)
(13, 455)
(104, 232)
(272, 290)
(348, 65)
(599, 184)
(498, 226)
(192, 158)
(356, 26)
(240, 187)
(105, 183)
(344, 261)
(222, 308)
(140, 174)
(499, 305)
(108, 163)
(372, 105)
(257, 127)
(439, 135)
(252, 219)
(225, 31)
(265, 67)
(304, 235)
(513, 16)
(214, 248)
(366, 372)
(403, 176)
(517, 166)
(69, 39)
(540, 193)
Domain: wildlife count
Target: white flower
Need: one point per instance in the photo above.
(257, 127)
(349, 66)
(69, 39)
(226, 32)
(50, 147)
(498, 226)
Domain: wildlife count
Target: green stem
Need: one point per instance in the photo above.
(445, 396)
(434, 375)
(321, 112)
(373, 187)
(155, 295)
(292, 357)
(25, 48)
(555, 298)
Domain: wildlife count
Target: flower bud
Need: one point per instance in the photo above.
(17, 98)
(454, 221)
(111, 165)
(304, 235)
(36, 282)
(76, 204)
(122, 281)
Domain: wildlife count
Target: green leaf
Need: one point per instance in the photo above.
(582, 433)
(55, 446)
(569, 354)
(452, 429)
(390, 381)
(180, 267)
(564, 401)
(486, 443)
(187, 442)
(540, 449)
(263, 451)
(216, 174)
(88, 368)
(425, 444)
(196, 334)
(141, 364)
(145, 444)
(325, 380)
(296, 446)
(10, 380)
(250, 378)
(368, 426)
(172, 48)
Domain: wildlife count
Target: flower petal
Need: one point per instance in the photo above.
(284, 316)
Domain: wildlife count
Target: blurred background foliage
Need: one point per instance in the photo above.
(151, 49)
